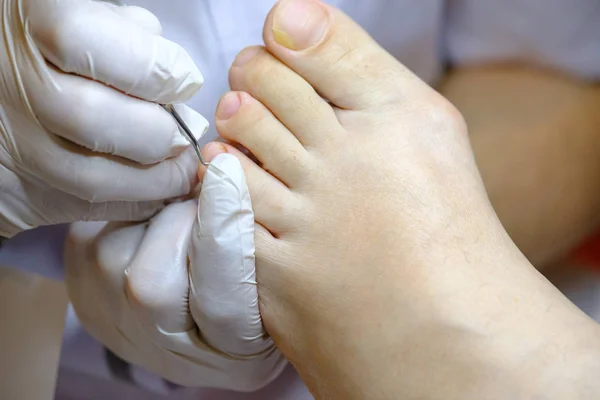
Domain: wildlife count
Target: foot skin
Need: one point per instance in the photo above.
(374, 235)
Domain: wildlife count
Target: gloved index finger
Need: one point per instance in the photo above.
(88, 38)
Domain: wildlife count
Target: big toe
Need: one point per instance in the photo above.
(335, 55)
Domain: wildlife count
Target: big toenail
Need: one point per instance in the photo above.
(228, 106)
(246, 55)
(300, 24)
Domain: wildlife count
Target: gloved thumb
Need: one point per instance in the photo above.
(224, 297)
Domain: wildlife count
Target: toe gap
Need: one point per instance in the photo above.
(274, 234)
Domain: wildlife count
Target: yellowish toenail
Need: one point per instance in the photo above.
(300, 24)
(213, 149)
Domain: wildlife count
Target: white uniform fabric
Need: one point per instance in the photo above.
(424, 35)
(559, 34)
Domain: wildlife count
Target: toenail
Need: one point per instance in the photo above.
(213, 149)
(246, 55)
(228, 106)
(299, 24)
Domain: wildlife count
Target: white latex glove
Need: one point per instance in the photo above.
(196, 322)
(81, 135)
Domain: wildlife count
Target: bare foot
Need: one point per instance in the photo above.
(380, 261)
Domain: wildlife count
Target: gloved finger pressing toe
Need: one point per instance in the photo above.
(224, 297)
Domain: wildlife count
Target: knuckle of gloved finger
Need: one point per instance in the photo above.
(175, 73)
(62, 40)
(149, 293)
(142, 291)
(84, 103)
(111, 256)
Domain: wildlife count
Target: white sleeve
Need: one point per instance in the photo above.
(558, 34)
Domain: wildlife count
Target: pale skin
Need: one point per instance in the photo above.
(383, 270)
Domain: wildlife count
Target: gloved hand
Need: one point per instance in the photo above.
(82, 137)
(196, 322)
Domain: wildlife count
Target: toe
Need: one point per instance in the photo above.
(275, 206)
(291, 99)
(335, 55)
(242, 119)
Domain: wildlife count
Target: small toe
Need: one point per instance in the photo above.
(242, 119)
(275, 206)
(291, 99)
